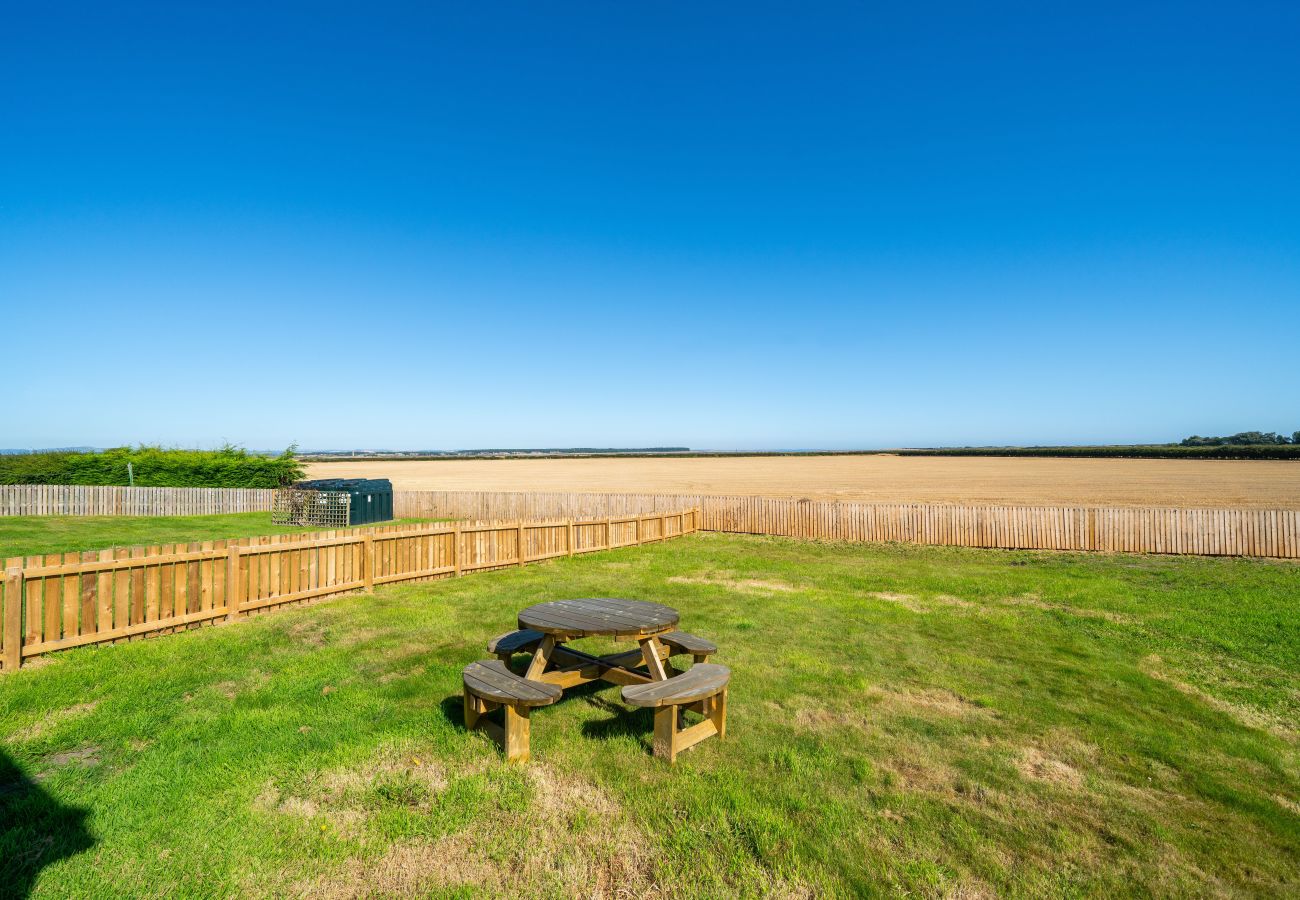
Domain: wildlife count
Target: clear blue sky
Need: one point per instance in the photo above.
(755, 225)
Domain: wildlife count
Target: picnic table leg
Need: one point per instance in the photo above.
(718, 713)
(541, 657)
(471, 711)
(651, 651)
(665, 739)
(516, 733)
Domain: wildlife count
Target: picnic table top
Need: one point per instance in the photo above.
(599, 616)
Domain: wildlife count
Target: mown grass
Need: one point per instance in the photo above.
(29, 535)
(932, 721)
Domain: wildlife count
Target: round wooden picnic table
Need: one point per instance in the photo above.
(566, 620)
(593, 616)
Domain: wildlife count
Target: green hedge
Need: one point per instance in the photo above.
(154, 467)
(1156, 451)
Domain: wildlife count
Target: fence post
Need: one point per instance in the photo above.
(369, 542)
(570, 537)
(607, 545)
(636, 523)
(663, 528)
(455, 550)
(13, 624)
(521, 542)
(232, 583)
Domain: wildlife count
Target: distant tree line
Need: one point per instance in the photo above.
(154, 467)
(1243, 439)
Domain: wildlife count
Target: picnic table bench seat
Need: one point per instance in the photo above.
(524, 640)
(679, 642)
(702, 688)
(490, 685)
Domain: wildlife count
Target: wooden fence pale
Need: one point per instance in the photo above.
(1210, 532)
(63, 600)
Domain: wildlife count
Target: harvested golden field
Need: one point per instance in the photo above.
(880, 477)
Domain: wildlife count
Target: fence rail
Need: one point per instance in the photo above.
(63, 600)
(92, 500)
(1211, 532)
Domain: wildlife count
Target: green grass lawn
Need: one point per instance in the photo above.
(29, 535)
(932, 721)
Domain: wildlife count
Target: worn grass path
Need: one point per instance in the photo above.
(932, 720)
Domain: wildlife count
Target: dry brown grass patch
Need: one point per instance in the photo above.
(949, 600)
(1287, 803)
(576, 840)
(1154, 666)
(935, 700)
(338, 796)
(907, 601)
(915, 772)
(816, 718)
(359, 636)
(42, 727)
(1036, 765)
(731, 582)
(393, 676)
(87, 756)
(1033, 601)
(308, 632)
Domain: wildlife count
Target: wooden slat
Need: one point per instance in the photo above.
(89, 597)
(121, 590)
(71, 599)
(167, 585)
(104, 594)
(53, 627)
(11, 617)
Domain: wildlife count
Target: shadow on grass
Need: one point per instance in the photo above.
(36, 830)
(623, 722)
(453, 710)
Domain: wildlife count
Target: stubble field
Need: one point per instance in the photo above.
(1262, 484)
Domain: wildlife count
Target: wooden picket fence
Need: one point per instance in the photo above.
(91, 500)
(63, 600)
(1215, 532)
(1210, 532)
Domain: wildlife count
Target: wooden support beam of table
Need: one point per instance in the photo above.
(573, 667)
(541, 656)
(563, 657)
(651, 651)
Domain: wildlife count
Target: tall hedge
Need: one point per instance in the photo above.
(154, 467)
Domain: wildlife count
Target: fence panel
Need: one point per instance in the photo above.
(1211, 532)
(59, 601)
(91, 500)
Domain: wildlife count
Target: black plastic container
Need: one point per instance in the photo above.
(372, 498)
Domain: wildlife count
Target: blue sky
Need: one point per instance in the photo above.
(743, 226)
